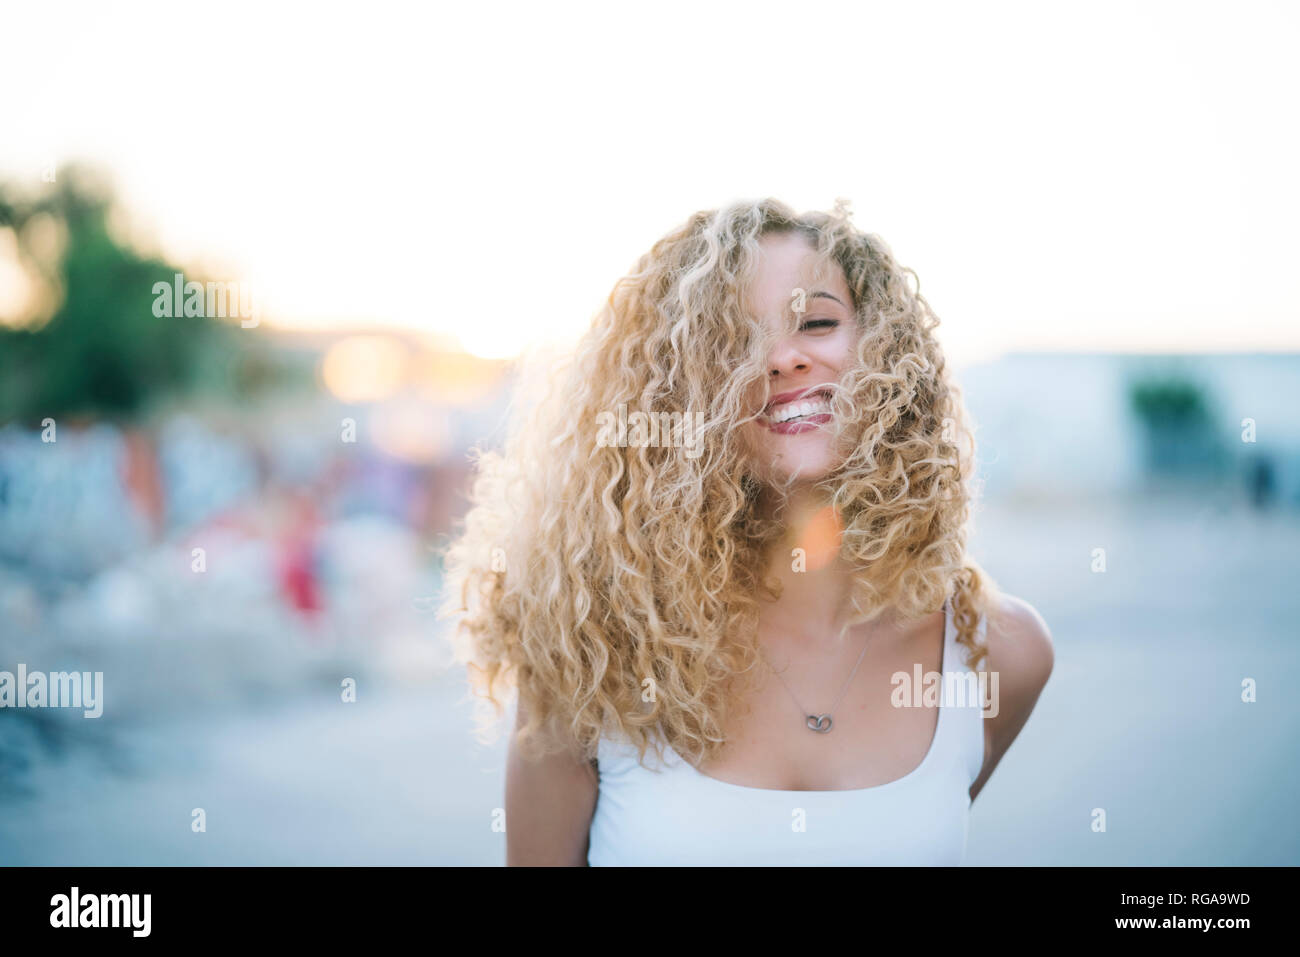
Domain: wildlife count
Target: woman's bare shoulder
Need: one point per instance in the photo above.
(1020, 646)
(1020, 658)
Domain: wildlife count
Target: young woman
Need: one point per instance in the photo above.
(723, 564)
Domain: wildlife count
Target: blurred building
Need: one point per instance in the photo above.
(1061, 425)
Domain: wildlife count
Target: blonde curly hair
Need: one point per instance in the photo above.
(590, 572)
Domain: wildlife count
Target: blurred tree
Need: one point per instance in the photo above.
(1178, 424)
(1171, 401)
(102, 352)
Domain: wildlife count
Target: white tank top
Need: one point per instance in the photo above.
(676, 815)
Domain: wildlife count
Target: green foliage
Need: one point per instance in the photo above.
(1169, 401)
(103, 352)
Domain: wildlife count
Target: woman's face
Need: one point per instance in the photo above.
(792, 439)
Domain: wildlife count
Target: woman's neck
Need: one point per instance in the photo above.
(815, 582)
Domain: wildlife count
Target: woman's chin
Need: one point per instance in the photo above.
(799, 458)
(799, 472)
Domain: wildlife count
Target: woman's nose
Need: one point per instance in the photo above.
(786, 359)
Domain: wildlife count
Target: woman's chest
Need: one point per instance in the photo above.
(874, 734)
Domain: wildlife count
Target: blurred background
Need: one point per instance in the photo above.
(229, 512)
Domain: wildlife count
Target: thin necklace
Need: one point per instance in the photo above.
(821, 723)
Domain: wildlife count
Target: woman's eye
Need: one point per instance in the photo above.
(820, 324)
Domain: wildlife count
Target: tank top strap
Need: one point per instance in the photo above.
(964, 692)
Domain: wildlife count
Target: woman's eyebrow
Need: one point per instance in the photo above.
(828, 296)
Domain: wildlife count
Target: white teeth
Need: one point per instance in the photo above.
(794, 410)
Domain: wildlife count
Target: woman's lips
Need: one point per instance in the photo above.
(813, 398)
(811, 392)
(803, 425)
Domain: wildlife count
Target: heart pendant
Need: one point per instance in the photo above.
(819, 723)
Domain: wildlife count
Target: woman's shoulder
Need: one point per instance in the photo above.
(1019, 646)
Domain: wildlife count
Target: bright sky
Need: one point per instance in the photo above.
(1086, 176)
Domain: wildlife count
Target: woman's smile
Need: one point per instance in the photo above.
(804, 410)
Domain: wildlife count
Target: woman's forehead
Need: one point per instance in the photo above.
(788, 263)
